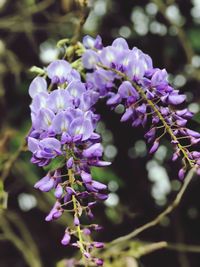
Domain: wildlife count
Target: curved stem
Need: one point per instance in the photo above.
(159, 218)
(8, 165)
(84, 15)
(28, 253)
(75, 207)
(181, 34)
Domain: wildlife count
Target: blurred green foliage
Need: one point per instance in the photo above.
(169, 31)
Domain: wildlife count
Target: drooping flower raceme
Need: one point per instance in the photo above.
(63, 133)
(63, 129)
(127, 76)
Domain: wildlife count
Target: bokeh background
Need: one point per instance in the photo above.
(140, 185)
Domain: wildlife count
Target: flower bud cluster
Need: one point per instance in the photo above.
(127, 76)
(63, 137)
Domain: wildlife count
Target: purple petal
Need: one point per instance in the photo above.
(59, 100)
(74, 75)
(193, 133)
(175, 156)
(51, 143)
(66, 239)
(86, 177)
(102, 197)
(42, 181)
(98, 262)
(114, 100)
(120, 43)
(90, 59)
(98, 244)
(127, 115)
(154, 147)
(95, 150)
(58, 71)
(46, 187)
(37, 86)
(76, 89)
(109, 56)
(181, 173)
(89, 42)
(33, 144)
(87, 231)
(88, 99)
(175, 99)
(185, 113)
(150, 135)
(101, 163)
(39, 101)
(82, 127)
(159, 77)
(142, 108)
(61, 122)
(99, 186)
(44, 119)
(59, 191)
(126, 89)
(70, 163)
(76, 221)
(55, 212)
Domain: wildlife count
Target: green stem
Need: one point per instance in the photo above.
(75, 207)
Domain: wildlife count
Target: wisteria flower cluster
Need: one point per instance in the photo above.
(127, 76)
(63, 128)
(64, 122)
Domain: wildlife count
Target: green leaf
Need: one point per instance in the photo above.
(56, 163)
(196, 117)
(193, 35)
(105, 175)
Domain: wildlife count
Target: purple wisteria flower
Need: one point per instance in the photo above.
(58, 71)
(37, 86)
(63, 137)
(90, 42)
(44, 150)
(63, 127)
(127, 76)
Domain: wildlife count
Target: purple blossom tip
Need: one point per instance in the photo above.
(58, 191)
(154, 147)
(70, 163)
(58, 71)
(98, 244)
(181, 173)
(76, 221)
(66, 239)
(86, 231)
(98, 262)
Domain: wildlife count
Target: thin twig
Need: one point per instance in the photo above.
(85, 10)
(188, 248)
(16, 220)
(183, 39)
(8, 165)
(183, 248)
(29, 256)
(159, 218)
